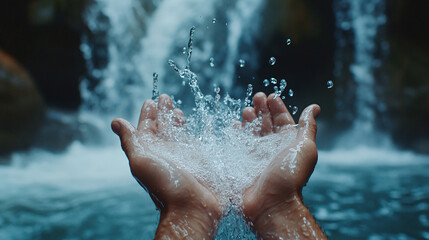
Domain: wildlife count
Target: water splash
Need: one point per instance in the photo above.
(283, 84)
(155, 91)
(272, 61)
(248, 99)
(210, 128)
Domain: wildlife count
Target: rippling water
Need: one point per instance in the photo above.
(88, 193)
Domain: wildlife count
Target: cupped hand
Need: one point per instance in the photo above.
(275, 196)
(188, 208)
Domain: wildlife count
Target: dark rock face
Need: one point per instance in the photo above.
(45, 37)
(407, 95)
(309, 62)
(22, 107)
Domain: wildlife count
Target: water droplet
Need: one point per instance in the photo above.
(155, 91)
(242, 63)
(283, 97)
(214, 20)
(291, 92)
(266, 82)
(247, 100)
(276, 89)
(330, 84)
(273, 81)
(294, 110)
(288, 41)
(283, 84)
(217, 90)
(184, 50)
(212, 62)
(179, 102)
(272, 61)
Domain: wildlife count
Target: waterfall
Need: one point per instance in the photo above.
(359, 30)
(142, 35)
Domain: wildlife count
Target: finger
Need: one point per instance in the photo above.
(279, 112)
(165, 103)
(307, 122)
(260, 103)
(148, 116)
(125, 130)
(249, 115)
(178, 117)
(262, 110)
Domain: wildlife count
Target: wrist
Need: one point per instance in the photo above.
(290, 220)
(196, 222)
(274, 213)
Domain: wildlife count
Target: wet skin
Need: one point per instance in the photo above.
(272, 204)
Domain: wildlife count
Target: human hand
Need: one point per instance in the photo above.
(273, 203)
(188, 208)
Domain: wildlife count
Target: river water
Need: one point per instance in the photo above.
(88, 193)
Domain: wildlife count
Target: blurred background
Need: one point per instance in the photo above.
(68, 67)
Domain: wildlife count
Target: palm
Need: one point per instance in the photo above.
(290, 169)
(146, 148)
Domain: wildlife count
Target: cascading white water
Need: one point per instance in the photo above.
(141, 39)
(359, 26)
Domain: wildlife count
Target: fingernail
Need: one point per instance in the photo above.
(116, 127)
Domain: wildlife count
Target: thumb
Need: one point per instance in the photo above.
(125, 130)
(307, 122)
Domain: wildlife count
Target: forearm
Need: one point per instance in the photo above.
(289, 221)
(186, 225)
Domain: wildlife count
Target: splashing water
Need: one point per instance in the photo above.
(272, 61)
(210, 128)
(247, 100)
(155, 91)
